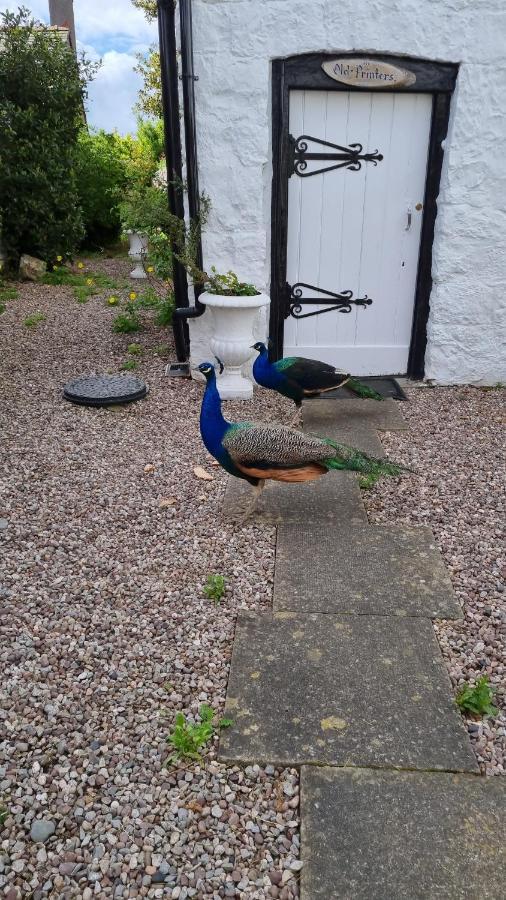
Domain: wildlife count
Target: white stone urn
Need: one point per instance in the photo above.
(137, 251)
(232, 336)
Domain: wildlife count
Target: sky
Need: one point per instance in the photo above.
(113, 31)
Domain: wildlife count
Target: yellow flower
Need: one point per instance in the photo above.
(150, 269)
(59, 258)
(132, 295)
(112, 301)
(80, 265)
(55, 268)
(89, 281)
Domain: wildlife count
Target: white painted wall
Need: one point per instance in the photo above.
(234, 41)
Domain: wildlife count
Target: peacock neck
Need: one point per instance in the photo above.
(212, 423)
(262, 366)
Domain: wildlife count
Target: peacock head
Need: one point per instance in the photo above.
(207, 370)
(259, 347)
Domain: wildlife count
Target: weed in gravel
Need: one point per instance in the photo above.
(126, 322)
(477, 699)
(33, 321)
(85, 285)
(188, 738)
(161, 350)
(134, 349)
(214, 587)
(3, 814)
(7, 293)
(366, 482)
(129, 365)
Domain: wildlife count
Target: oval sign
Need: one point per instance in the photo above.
(367, 73)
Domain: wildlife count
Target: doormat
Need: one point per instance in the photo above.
(104, 390)
(385, 385)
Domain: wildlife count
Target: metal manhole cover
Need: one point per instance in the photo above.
(103, 390)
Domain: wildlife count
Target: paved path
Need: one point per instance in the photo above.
(346, 680)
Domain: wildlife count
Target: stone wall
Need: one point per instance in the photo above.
(235, 40)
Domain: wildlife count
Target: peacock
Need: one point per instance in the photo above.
(296, 378)
(258, 452)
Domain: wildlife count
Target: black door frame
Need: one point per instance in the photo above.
(305, 72)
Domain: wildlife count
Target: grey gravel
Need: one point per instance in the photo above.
(106, 632)
(42, 829)
(456, 444)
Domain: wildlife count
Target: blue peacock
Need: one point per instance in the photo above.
(296, 378)
(260, 452)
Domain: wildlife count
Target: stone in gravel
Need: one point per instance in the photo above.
(3, 525)
(41, 830)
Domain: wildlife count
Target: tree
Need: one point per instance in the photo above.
(148, 7)
(42, 92)
(149, 102)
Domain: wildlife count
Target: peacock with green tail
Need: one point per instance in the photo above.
(260, 452)
(296, 378)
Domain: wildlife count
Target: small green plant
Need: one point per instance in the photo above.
(84, 284)
(33, 321)
(477, 699)
(161, 350)
(126, 322)
(229, 285)
(134, 349)
(214, 587)
(366, 482)
(3, 814)
(165, 311)
(8, 293)
(129, 365)
(188, 738)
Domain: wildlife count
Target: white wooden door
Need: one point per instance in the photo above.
(358, 230)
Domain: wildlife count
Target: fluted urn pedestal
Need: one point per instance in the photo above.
(231, 338)
(138, 249)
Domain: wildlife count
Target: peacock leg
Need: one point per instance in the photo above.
(255, 494)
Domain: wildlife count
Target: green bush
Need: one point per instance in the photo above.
(101, 174)
(42, 91)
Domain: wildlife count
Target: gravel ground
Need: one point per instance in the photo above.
(456, 442)
(108, 538)
(106, 632)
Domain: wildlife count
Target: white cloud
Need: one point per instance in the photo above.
(113, 93)
(115, 31)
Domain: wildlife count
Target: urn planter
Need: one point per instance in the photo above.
(138, 248)
(232, 336)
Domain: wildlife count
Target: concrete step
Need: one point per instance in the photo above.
(335, 497)
(322, 415)
(348, 690)
(362, 569)
(373, 835)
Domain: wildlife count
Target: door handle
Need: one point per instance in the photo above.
(409, 219)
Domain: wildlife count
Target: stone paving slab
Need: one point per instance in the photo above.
(356, 433)
(344, 691)
(370, 569)
(371, 835)
(335, 497)
(385, 415)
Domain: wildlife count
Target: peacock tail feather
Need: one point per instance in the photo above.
(362, 390)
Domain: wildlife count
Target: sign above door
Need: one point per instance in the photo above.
(370, 74)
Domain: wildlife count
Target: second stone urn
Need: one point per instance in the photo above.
(138, 249)
(232, 336)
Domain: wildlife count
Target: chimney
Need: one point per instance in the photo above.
(61, 13)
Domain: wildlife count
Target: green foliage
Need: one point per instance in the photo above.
(144, 209)
(477, 700)
(149, 102)
(161, 350)
(229, 285)
(34, 320)
(3, 814)
(134, 349)
(148, 7)
(84, 284)
(214, 587)
(165, 311)
(102, 161)
(129, 365)
(126, 322)
(42, 90)
(6, 293)
(188, 739)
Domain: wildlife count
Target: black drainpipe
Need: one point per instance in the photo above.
(190, 133)
(172, 133)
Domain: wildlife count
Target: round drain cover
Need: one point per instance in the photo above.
(104, 390)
